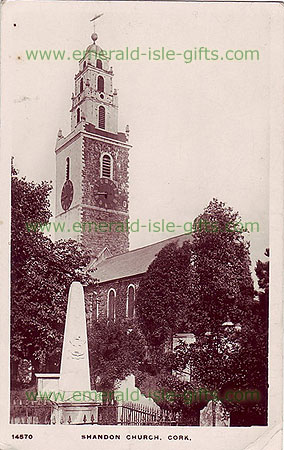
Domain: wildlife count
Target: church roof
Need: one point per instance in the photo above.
(134, 262)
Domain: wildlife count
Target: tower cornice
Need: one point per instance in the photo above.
(74, 135)
(93, 67)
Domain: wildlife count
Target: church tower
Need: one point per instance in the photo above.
(92, 162)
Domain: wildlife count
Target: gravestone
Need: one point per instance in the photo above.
(214, 414)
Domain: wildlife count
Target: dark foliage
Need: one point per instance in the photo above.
(41, 273)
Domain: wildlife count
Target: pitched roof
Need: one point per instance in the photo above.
(134, 262)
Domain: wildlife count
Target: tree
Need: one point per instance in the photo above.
(41, 274)
(166, 296)
(116, 350)
(222, 263)
(262, 273)
(205, 288)
(262, 329)
(200, 285)
(230, 348)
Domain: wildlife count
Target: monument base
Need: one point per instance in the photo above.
(75, 413)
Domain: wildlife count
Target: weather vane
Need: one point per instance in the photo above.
(94, 20)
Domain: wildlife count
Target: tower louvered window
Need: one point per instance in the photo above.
(101, 84)
(102, 117)
(99, 64)
(106, 166)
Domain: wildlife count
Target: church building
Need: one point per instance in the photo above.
(92, 187)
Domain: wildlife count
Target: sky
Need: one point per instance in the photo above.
(198, 130)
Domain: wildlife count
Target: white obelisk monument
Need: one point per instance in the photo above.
(75, 370)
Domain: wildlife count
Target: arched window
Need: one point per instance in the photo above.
(106, 166)
(102, 117)
(99, 64)
(67, 168)
(111, 304)
(81, 85)
(84, 65)
(101, 84)
(130, 306)
(78, 115)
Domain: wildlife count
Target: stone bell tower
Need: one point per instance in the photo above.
(92, 161)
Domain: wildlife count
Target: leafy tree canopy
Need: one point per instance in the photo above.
(205, 287)
(41, 274)
(198, 286)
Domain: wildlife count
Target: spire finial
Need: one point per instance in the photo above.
(94, 35)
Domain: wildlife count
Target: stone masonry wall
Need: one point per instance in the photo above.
(117, 242)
